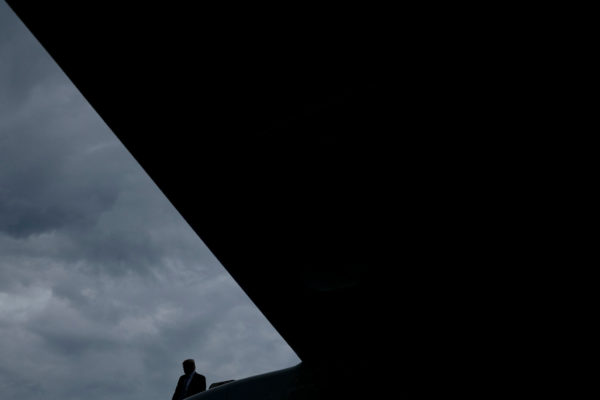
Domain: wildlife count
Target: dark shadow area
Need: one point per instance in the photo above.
(337, 165)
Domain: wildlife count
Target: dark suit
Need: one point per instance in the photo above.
(197, 385)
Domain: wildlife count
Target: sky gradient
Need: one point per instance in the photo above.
(104, 289)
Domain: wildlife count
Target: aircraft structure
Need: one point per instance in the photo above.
(314, 150)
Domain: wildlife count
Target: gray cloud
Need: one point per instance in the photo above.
(104, 289)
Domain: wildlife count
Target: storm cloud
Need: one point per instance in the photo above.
(104, 289)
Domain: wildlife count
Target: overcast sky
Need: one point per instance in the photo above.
(104, 289)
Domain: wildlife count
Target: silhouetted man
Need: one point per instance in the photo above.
(190, 383)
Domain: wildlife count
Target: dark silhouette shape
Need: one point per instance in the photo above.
(190, 383)
(370, 209)
(214, 385)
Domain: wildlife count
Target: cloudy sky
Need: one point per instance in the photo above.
(104, 289)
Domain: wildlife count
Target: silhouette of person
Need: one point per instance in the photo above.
(190, 383)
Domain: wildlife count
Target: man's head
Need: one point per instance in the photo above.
(189, 366)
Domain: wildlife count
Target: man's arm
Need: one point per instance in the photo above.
(198, 384)
(203, 384)
(178, 390)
